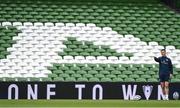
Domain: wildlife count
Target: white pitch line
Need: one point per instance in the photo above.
(89, 107)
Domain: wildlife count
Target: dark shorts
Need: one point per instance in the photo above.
(164, 78)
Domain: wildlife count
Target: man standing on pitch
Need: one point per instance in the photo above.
(165, 72)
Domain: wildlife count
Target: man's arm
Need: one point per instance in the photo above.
(170, 67)
(157, 59)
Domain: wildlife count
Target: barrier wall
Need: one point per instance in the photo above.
(83, 90)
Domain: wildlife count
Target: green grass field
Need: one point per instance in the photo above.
(86, 104)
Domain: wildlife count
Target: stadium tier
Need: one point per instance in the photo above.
(86, 41)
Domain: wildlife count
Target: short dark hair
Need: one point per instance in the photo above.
(163, 50)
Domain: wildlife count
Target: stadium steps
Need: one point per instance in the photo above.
(150, 22)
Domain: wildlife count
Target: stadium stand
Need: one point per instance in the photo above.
(86, 41)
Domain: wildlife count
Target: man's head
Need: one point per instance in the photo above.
(163, 52)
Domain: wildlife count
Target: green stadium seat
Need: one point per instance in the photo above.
(122, 76)
(139, 72)
(140, 80)
(98, 68)
(57, 72)
(178, 76)
(76, 75)
(154, 69)
(129, 80)
(58, 79)
(146, 76)
(81, 72)
(152, 80)
(155, 76)
(93, 79)
(88, 75)
(118, 80)
(21, 79)
(64, 68)
(70, 79)
(93, 72)
(69, 72)
(104, 72)
(99, 76)
(34, 79)
(63, 75)
(175, 73)
(127, 72)
(46, 79)
(10, 79)
(133, 69)
(150, 72)
(52, 75)
(111, 76)
(115, 72)
(144, 69)
(86, 68)
(106, 80)
(134, 76)
(82, 79)
(175, 80)
(121, 68)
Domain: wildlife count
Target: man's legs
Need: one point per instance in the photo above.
(164, 79)
(166, 89)
(163, 89)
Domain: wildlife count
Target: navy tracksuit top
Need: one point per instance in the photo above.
(165, 65)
